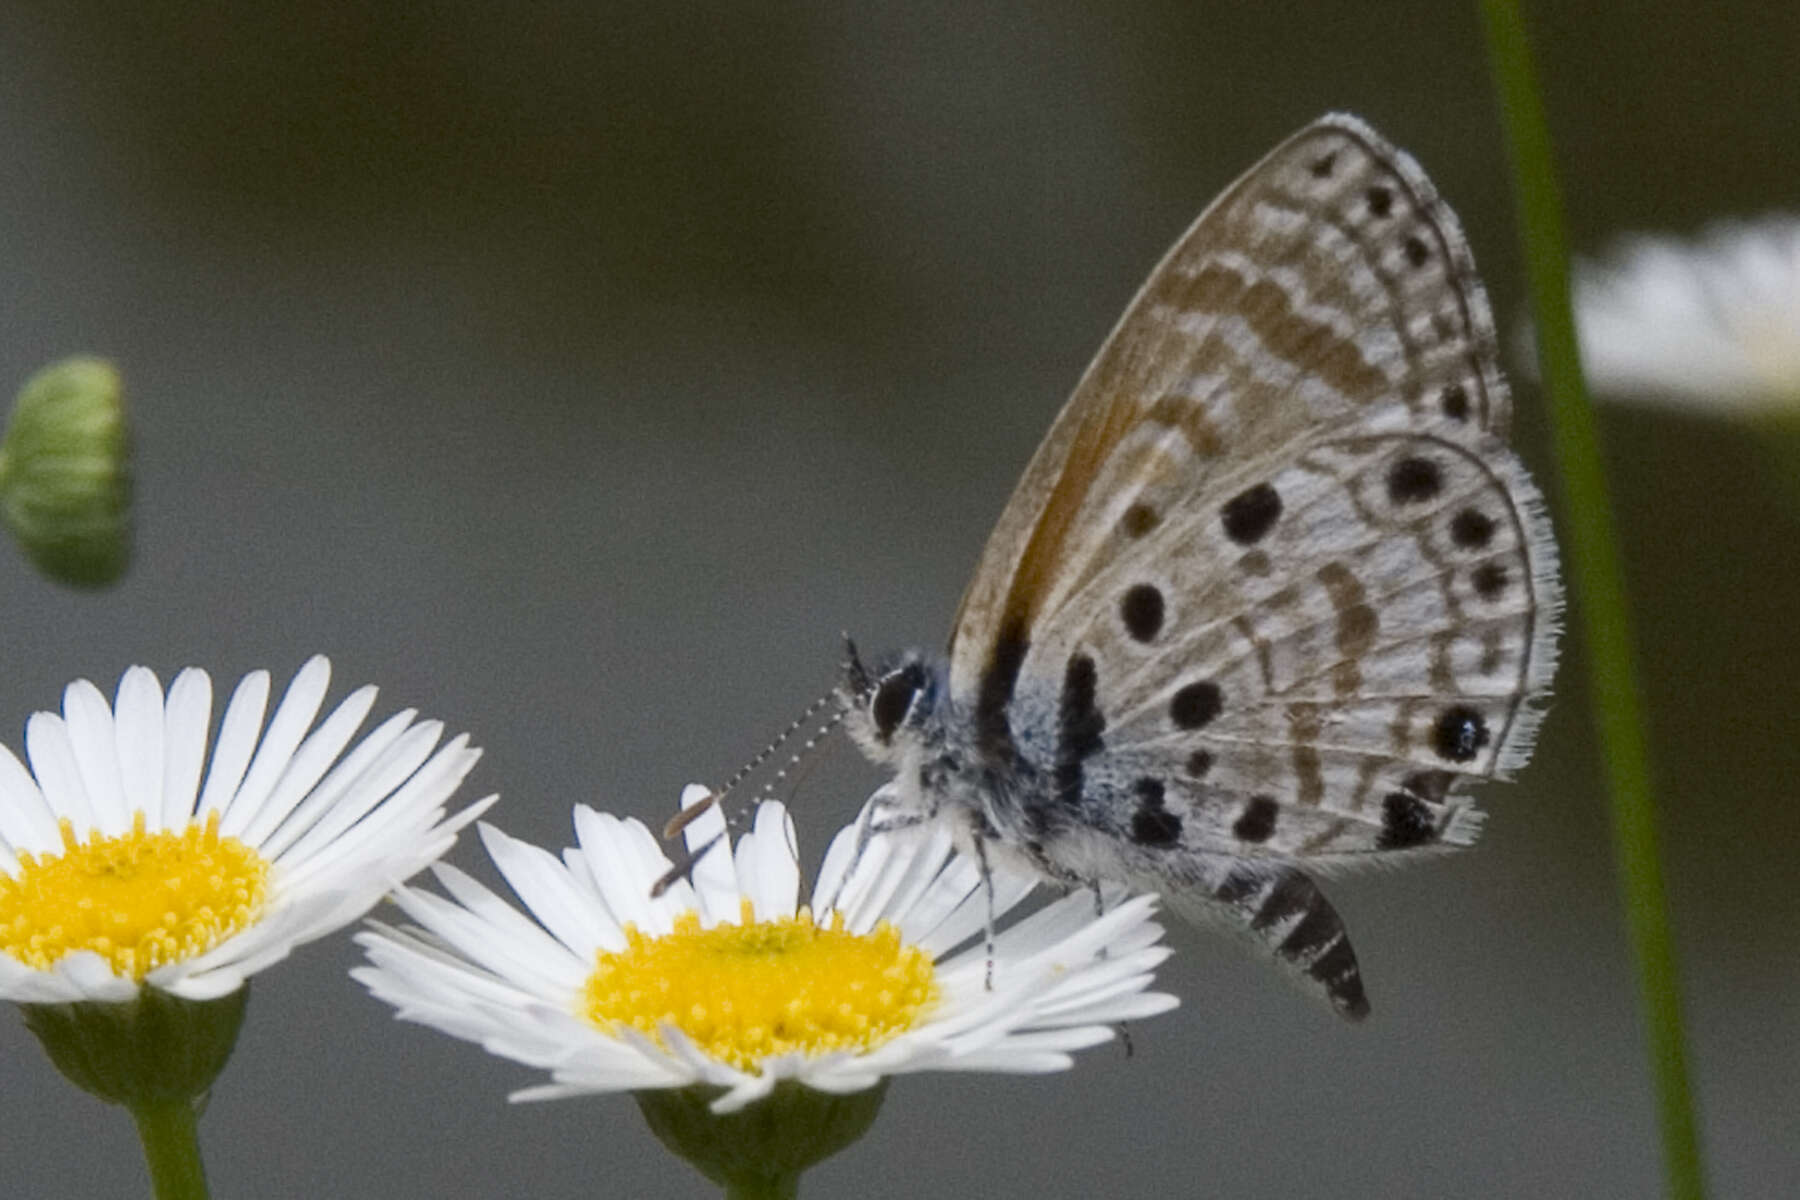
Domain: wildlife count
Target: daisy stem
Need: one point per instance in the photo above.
(170, 1132)
(1599, 585)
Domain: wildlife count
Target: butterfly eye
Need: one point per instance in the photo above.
(893, 699)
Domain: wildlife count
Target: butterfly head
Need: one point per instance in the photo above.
(885, 708)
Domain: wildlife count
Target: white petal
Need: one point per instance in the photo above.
(970, 918)
(236, 742)
(768, 864)
(594, 837)
(493, 935)
(331, 789)
(624, 875)
(140, 742)
(828, 888)
(374, 785)
(187, 714)
(933, 852)
(293, 717)
(310, 762)
(26, 820)
(88, 723)
(947, 892)
(405, 830)
(1003, 1061)
(53, 762)
(27, 985)
(543, 883)
(871, 881)
(714, 878)
(646, 849)
(92, 978)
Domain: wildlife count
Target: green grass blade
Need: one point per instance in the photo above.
(1591, 551)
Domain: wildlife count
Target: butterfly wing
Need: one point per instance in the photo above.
(1273, 584)
(1328, 279)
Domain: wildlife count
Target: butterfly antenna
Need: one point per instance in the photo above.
(789, 769)
(692, 812)
(684, 866)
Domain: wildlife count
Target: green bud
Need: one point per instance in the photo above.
(156, 1049)
(65, 484)
(760, 1150)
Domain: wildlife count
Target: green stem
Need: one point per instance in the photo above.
(1598, 581)
(170, 1132)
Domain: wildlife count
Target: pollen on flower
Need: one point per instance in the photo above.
(139, 900)
(748, 992)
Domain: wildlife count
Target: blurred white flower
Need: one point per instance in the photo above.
(726, 982)
(117, 869)
(1712, 325)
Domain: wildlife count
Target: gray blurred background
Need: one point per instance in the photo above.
(577, 372)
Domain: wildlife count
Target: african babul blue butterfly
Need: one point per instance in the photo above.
(1272, 590)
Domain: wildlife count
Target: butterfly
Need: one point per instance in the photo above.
(1272, 591)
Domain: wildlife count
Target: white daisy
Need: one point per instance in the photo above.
(117, 869)
(1712, 325)
(727, 982)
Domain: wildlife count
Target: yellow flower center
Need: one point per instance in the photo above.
(750, 991)
(139, 900)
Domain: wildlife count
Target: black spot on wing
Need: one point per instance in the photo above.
(1199, 763)
(1414, 479)
(1151, 823)
(1489, 581)
(1079, 724)
(1141, 608)
(1381, 200)
(1455, 402)
(1248, 516)
(1155, 827)
(1257, 822)
(993, 733)
(1138, 520)
(1472, 530)
(1459, 734)
(1196, 704)
(1405, 822)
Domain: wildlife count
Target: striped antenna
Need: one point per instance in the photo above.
(688, 815)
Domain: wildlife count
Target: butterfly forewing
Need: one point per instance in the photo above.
(1329, 279)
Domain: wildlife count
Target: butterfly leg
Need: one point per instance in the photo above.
(1119, 1027)
(871, 826)
(987, 886)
